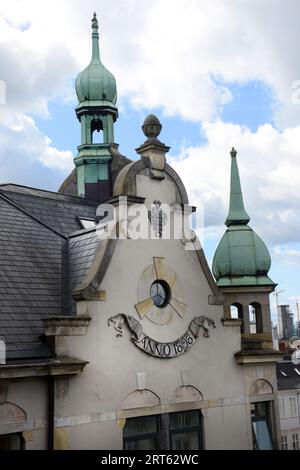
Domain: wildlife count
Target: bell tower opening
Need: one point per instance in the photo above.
(97, 135)
(255, 318)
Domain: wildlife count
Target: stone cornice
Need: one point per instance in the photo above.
(66, 326)
(115, 200)
(232, 322)
(245, 289)
(260, 356)
(59, 366)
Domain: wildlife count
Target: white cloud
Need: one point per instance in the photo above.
(34, 72)
(269, 163)
(287, 256)
(177, 55)
(22, 143)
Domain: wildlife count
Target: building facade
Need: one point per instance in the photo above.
(288, 379)
(117, 335)
(285, 322)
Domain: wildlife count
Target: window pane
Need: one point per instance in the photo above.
(261, 409)
(281, 407)
(142, 444)
(184, 419)
(293, 406)
(10, 442)
(284, 443)
(262, 435)
(185, 441)
(234, 312)
(138, 426)
(295, 441)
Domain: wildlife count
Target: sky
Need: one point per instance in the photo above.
(217, 73)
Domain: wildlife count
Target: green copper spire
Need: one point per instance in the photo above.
(237, 214)
(97, 95)
(95, 38)
(96, 83)
(241, 258)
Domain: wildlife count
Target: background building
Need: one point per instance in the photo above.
(275, 337)
(285, 322)
(288, 379)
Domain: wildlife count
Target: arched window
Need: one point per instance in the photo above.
(236, 311)
(12, 424)
(255, 318)
(97, 131)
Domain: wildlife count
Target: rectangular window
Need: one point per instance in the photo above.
(293, 406)
(185, 431)
(281, 402)
(260, 417)
(173, 431)
(295, 441)
(141, 433)
(284, 442)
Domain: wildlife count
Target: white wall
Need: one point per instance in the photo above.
(114, 362)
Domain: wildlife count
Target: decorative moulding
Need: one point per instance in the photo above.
(59, 366)
(232, 322)
(66, 326)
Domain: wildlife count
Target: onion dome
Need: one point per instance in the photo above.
(241, 258)
(96, 83)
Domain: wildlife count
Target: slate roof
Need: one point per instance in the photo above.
(82, 247)
(59, 211)
(287, 376)
(34, 229)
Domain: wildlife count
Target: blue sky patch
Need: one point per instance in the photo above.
(252, 105)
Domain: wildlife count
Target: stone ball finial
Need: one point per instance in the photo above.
(151, 127)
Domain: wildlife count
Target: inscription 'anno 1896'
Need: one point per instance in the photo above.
(155, 348)
(165, 350)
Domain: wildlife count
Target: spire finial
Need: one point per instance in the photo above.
(95, 38)
(237, 214)
(95, 25)
(233, 152)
